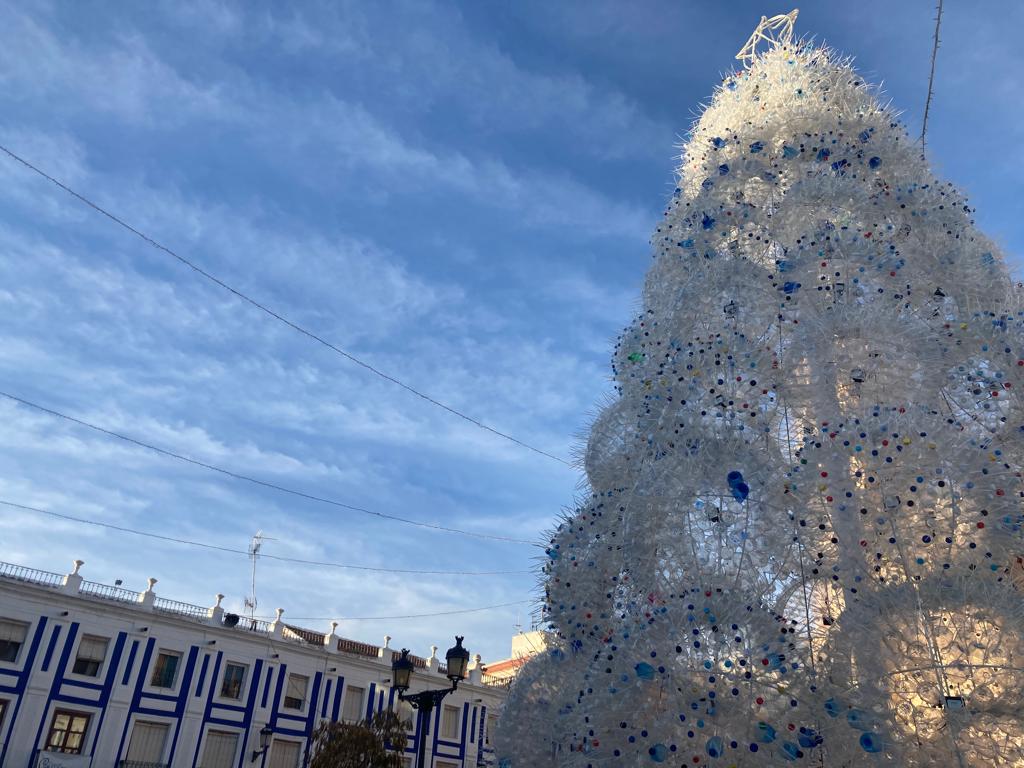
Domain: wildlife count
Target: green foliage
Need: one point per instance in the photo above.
(375, 743)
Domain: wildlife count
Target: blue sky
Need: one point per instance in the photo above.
(460, 194)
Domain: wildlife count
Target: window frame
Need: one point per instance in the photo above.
(362, 704)
(405, 708)
(241, 683)
(156, 665)
(4, 704)
(441, 733)
(21, 646)
(144, 721)
(305, 692)
(239, 738)
(63, 748)
(291, 742)
(100, 664)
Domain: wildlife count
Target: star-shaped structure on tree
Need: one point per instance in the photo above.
(778, 30)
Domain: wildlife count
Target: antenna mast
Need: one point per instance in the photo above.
(254, 552)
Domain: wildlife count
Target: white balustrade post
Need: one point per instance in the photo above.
(278, 626)
(215, 615)
(477, 670)
(384, 653)
(146, 598)
(73, 581)
(331, 638)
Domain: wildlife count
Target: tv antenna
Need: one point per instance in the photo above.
(254, 553)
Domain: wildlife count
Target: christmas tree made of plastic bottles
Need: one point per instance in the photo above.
(804, 522)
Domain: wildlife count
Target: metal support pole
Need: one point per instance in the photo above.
(425, 702)
(421, 748)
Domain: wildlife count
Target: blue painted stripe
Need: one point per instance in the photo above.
(202, 675)
(23, 681)
(250, 704)
(208, 707)
(83, 684)
(266, 685)
(250, 708)
(131, 661)
(49, 649)
(179, 709)
(483, 724)
(281, 671)
(465, 730)
(337, 700)
(327, 698)
(108, 686)
(224, 721)
(158, 697)
(65, 653)
(137, 693)
(313, 699)
(369, 701)
(436, 729)
(229, 707)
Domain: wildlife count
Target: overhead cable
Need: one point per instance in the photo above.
(280, 318)
(245, 552)
(257, 481)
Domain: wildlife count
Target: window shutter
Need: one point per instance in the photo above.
(220, 749)
(285, 754)
(93, 648)
(352, 711)
(450, 723)
(148, 740)
(13, 631)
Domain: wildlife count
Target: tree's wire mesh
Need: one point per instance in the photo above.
(804, 533)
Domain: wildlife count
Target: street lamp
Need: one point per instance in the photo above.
(265, 733)
(457, 662)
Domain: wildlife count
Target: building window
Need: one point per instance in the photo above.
(3, 711)
(91, 653)
(67, 732)
(492, 723)
(450, 723)
(445, 764)
(148, 741)
(407, 715)
(166, 670)
(220, 749)
(295, 696)
(284, 754)
(352, 709)
(231, 685)
(12, 637)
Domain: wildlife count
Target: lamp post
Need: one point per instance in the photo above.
(265, 733)
(457, 660)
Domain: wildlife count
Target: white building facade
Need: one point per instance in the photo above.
(96, 676)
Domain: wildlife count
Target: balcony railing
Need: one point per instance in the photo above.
(32, 575)
(359, 649)
(178, 608)
(108, 592)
